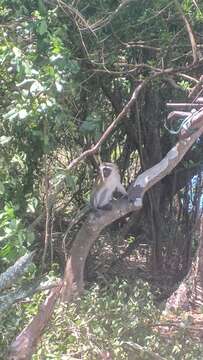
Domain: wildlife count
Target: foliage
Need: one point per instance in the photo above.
(64, 77)
(112, 319)
(14, 239)
(109, 319)
(13, 320)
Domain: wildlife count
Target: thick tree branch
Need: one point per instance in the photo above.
(25, 344)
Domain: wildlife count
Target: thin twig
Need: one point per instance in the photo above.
(190, 32)
(51, 234)
(190, 78)
(47, 208)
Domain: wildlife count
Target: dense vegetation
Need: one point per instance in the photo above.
(108, 322)
(66, 72)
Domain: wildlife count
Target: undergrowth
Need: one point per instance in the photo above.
(116, 321)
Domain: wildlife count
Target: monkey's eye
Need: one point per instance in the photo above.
(106, 171)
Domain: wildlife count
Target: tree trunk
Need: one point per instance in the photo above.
(190, 292)
(197, 298)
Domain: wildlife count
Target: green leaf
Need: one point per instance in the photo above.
(30, 237)
(2, 188)
(42, 7)
(42, 29)
(71, 181)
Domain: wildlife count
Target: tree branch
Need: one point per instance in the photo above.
(25, 344)
(7, 300)
(190, 32)
(15, 271)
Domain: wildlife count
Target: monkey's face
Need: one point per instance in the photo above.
(106, 171)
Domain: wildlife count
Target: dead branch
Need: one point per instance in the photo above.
(153, 70)
(84, 24)
(15, 271)
(197, 89)
(7, 300)
(189, 78)
(190, 33)
(140, 349)
(184, 106)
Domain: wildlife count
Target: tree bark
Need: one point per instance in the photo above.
(198, 268)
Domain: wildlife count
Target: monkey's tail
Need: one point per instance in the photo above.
(81, 213)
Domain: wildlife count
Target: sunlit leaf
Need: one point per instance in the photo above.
(59, 87)
(5, 139)
(22, 114)
(36, 87)
(17, 51)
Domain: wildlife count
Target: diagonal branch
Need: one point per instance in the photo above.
(25, 344)
(15, 271)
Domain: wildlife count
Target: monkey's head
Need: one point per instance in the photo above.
(107, 168)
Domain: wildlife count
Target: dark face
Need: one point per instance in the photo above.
(106, 171)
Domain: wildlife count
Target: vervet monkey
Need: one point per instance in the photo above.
(106, 184)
